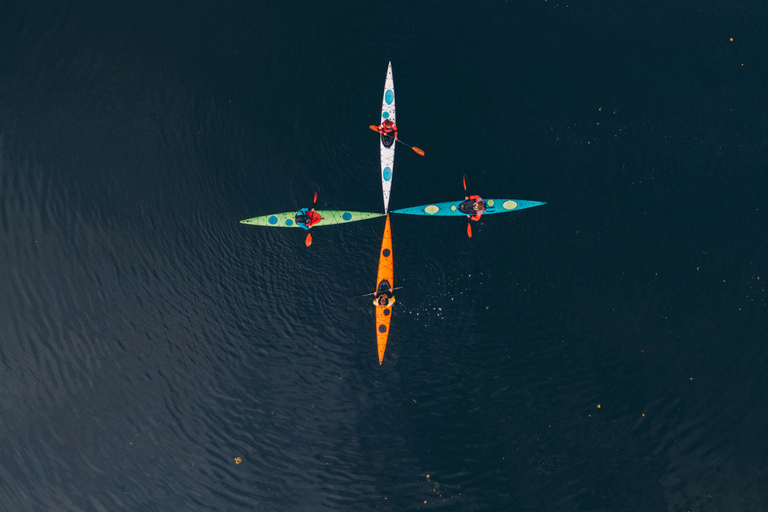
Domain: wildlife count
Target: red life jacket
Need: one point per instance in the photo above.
(479, 213)
(383, 128)
(313, 218)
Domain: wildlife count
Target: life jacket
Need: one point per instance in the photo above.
(468, 207)
(311, 218)
(383, 128)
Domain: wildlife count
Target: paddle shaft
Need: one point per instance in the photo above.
(469, 226)
(374, 293)
(414, 148)
(308, 240)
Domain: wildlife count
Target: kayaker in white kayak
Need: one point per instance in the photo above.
(387, 127)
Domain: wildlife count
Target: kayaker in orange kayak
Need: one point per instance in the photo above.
(387, 127)
(473, 206)
(306, 218)
(384, 297)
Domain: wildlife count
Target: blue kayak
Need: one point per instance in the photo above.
(451, 208)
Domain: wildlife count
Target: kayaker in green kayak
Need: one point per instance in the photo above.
(306, 218)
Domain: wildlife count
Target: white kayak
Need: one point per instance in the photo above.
(387, 143)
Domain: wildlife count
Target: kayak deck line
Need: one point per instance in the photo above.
(384, 276)
(451, 208)
(327, 218)
(387, 150)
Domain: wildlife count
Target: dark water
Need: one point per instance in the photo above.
(147, 339)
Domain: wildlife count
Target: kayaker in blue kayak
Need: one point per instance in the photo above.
(473, 206)
(306, 218)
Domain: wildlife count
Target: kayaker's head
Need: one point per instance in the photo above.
(479, 205)
(301, 218)
(383, 300)
(387, 123)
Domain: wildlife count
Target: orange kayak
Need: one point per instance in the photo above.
(384, 281)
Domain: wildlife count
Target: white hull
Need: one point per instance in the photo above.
(387, 153)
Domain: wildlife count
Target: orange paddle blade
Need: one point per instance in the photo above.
(315, 199)
(464, 179)
(308, 241)
(418, 151)
(374, 128)
(469, 230)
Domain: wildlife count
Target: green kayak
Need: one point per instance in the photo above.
(328, 217)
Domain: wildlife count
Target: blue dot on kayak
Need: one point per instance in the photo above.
(387, 174)
(288, 222)
(273, 220)
(389, 96)
(386, 253)
(346, 216)
(382, 328)
(386, 312)
(385, 115)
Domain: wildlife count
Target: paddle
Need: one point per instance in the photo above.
(374, 293)
(308, 241)
(469, 227)
(414, 148)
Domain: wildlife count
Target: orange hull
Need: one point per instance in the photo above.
(386, 273)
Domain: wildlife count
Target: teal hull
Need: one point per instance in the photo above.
(451, 208)
(329, 217)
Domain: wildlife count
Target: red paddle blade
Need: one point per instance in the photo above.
(469, 231)
(308, 241)
(315, 199)
(464, 179)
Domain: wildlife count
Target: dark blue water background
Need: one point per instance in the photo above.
(604, 352)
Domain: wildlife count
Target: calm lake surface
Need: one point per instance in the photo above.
(604, 352)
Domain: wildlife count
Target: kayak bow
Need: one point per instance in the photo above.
(451, 208)
(384, 281)
(328, 217)
(387, 143)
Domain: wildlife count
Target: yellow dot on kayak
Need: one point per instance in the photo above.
(509, 205)
(431, 209)
(491, 202)
(238, 460)
(598, 406)
(453, 208)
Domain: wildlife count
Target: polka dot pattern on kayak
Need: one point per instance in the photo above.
(386, 174)
(386, 312)
(382, 328)
(346, 216)
(273, 220)
(386, 253)
(288, 222)
(385, 115)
